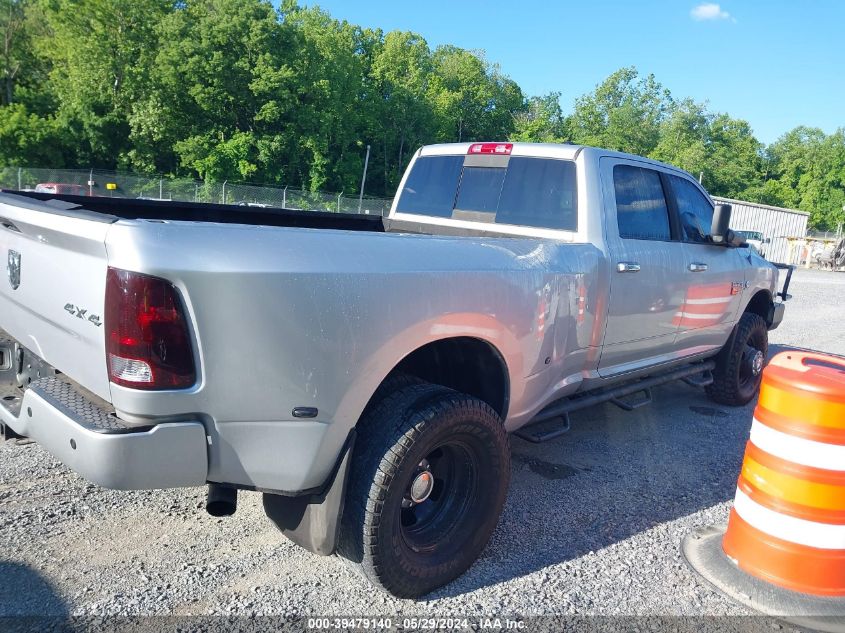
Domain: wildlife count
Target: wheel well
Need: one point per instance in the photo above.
(465, 364)
(761, 303)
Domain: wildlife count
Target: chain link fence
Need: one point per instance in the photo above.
(120, 185)
(825, 235)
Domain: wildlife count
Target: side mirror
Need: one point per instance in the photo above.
(721, 220)
(719, 231)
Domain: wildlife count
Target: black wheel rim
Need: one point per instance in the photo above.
(425, 523)
(751, 364)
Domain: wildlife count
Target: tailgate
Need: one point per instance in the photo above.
(53, 289)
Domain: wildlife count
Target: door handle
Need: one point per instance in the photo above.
(8, 224)
(628, 267)
(697, 267)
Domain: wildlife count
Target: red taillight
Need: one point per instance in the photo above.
(148, 345)
(491, 148)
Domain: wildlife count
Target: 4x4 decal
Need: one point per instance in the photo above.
(82, 314)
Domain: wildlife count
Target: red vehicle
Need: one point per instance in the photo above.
(62, 188)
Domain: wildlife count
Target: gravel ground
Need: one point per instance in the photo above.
(592, 525)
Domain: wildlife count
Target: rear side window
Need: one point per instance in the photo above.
(641, 210)
(539, 192)
(431, 186)
(535, 192)
(695, 210)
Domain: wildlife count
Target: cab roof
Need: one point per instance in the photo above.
(563, 151)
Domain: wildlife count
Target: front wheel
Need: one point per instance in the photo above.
(739, 365)
(426, 488)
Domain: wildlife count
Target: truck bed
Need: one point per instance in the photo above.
(134, 209)
(112, 209)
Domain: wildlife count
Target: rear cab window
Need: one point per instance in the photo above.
(503, 190)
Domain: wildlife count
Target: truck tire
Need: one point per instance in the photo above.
(739, 365)
(428, 481)
(393, 382)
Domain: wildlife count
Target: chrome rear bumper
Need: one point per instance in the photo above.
(101, 447)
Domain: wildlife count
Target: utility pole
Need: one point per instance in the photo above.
(363, 179)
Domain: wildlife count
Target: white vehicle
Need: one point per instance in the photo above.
(755, 240)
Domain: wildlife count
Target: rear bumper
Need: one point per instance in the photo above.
(100, 447)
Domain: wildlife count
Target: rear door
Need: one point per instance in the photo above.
(715, 275)
(647, 273)
(53, 288)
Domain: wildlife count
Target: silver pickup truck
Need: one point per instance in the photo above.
(364, 373)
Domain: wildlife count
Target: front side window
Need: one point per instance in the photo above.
(532, 192)
(695, 209)
(641, 210)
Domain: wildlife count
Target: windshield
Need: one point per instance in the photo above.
(535, 192)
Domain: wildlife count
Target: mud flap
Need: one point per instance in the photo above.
(703, 552)
(313, 521)
(8, 434)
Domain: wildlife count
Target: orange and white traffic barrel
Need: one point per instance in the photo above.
(783, 552)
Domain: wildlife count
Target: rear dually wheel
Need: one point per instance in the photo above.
(427, 486)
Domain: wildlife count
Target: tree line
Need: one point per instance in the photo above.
(242, 90)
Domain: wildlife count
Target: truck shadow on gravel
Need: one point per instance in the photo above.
(27, 598)
(615, 476)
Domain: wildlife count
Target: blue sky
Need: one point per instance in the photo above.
(775, 63)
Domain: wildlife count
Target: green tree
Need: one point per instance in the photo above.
(734, 161)
(720, 150)
(13, 51)
(624, 113)
(472, 100)
(331, 65)
(23, 73)
(27, 139)
(100, 53)
(401, 116)
(685, 137)
(541, 121)
(217, 82)
(806, 170)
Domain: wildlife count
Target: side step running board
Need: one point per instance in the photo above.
(636, 404)
(706, 378)
(559, 411)
(545, 430)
